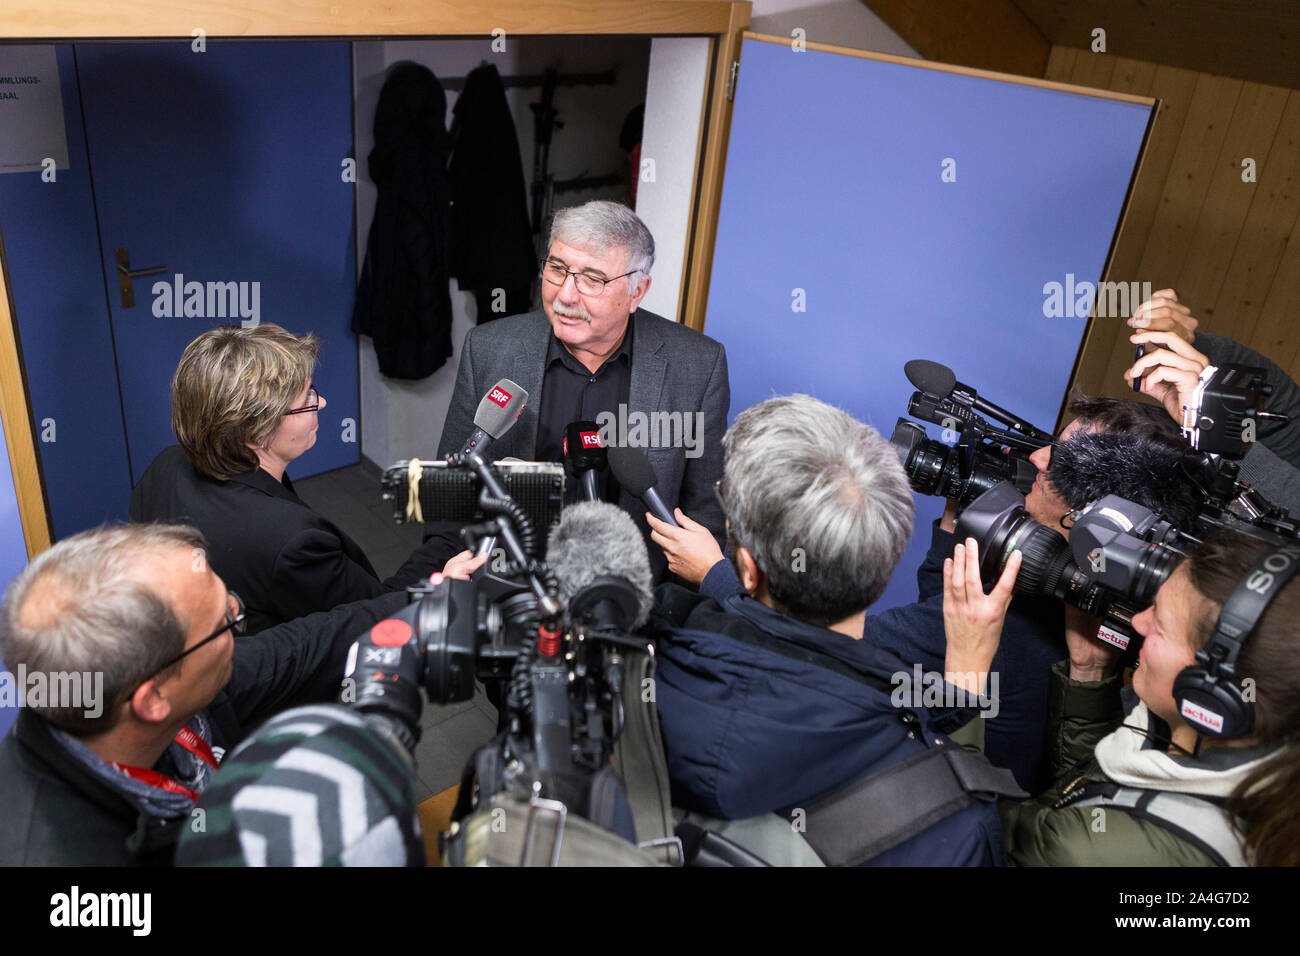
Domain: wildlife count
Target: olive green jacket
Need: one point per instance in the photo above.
(1082, 716)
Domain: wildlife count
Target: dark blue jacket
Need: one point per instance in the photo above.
(752, 724)
(1033, 639)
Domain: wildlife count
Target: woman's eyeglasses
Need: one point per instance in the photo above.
(313, 402)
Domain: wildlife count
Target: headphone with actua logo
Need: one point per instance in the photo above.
(1208, 694)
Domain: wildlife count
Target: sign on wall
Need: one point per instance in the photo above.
(31, 111)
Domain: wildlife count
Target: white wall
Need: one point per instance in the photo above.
(674, 109)
(841, 22)
(403, 419)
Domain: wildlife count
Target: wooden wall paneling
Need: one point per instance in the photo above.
(1099, 373)
(1060, 63)
(1175, 89)
(1182, 190)
(1252, 39)
(1093, 69)
(1256, 261)
(1137, 77)
(1252, 129)
(985, 34)
(1282, 306)
(1204, 132)
(1133, 76)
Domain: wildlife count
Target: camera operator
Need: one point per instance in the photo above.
(138, 608)
(1136, 781)
(915, 632)
(769, 700)
(1169, 372)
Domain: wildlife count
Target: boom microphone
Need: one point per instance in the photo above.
(1092, 465)
(635, 474)
(585, 455)
(497, 412)
(601, 563)
(939, 380)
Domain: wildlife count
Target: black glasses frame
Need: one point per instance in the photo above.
(580, 277)
(313, 402)
(233, 624)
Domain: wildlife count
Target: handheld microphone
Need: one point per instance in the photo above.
(601, 565)
(939, 380)
(635, 474)
(497, 413)
(585, 455)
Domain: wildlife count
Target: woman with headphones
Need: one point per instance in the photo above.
(1198, 763)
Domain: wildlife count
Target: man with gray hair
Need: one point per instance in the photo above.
(138, 607)
(592, 354)
(769, 700)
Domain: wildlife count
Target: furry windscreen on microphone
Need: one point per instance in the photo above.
(1092, 465)
(595, 538)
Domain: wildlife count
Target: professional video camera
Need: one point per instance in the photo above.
(982, 456)
(1117, 555)
(1221, 425)
(560, 634)
(1115, 560)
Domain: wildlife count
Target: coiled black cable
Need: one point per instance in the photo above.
(517, 515)
(519, 694)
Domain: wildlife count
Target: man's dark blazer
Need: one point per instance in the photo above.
(674, 369)
(282, 559)
(57, 813)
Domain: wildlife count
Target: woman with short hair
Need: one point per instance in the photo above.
(243, 408)
(1137, 781)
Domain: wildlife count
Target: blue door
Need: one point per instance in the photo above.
(223, 167)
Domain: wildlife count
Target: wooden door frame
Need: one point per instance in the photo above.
(72, 21)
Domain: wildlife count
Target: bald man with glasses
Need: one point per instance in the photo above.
(111, 778)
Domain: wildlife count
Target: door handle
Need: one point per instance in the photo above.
(125, 275)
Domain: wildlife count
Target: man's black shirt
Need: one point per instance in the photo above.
(571, 393)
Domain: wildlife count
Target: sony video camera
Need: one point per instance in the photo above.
(1118, 554)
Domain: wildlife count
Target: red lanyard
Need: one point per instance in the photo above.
(192, 742)
(197, 746)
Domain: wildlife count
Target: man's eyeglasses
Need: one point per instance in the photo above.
(313, 402)
(234, 624)
(556, 274)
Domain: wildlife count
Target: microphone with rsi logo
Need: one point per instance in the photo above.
(585, 455)
(499, 410)
(635, 474)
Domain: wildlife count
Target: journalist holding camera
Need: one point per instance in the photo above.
(774, 710)
(1196, 764)
(1035, 624)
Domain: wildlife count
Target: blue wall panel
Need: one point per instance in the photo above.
(833, 187)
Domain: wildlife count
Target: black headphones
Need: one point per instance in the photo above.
(1208, 695)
